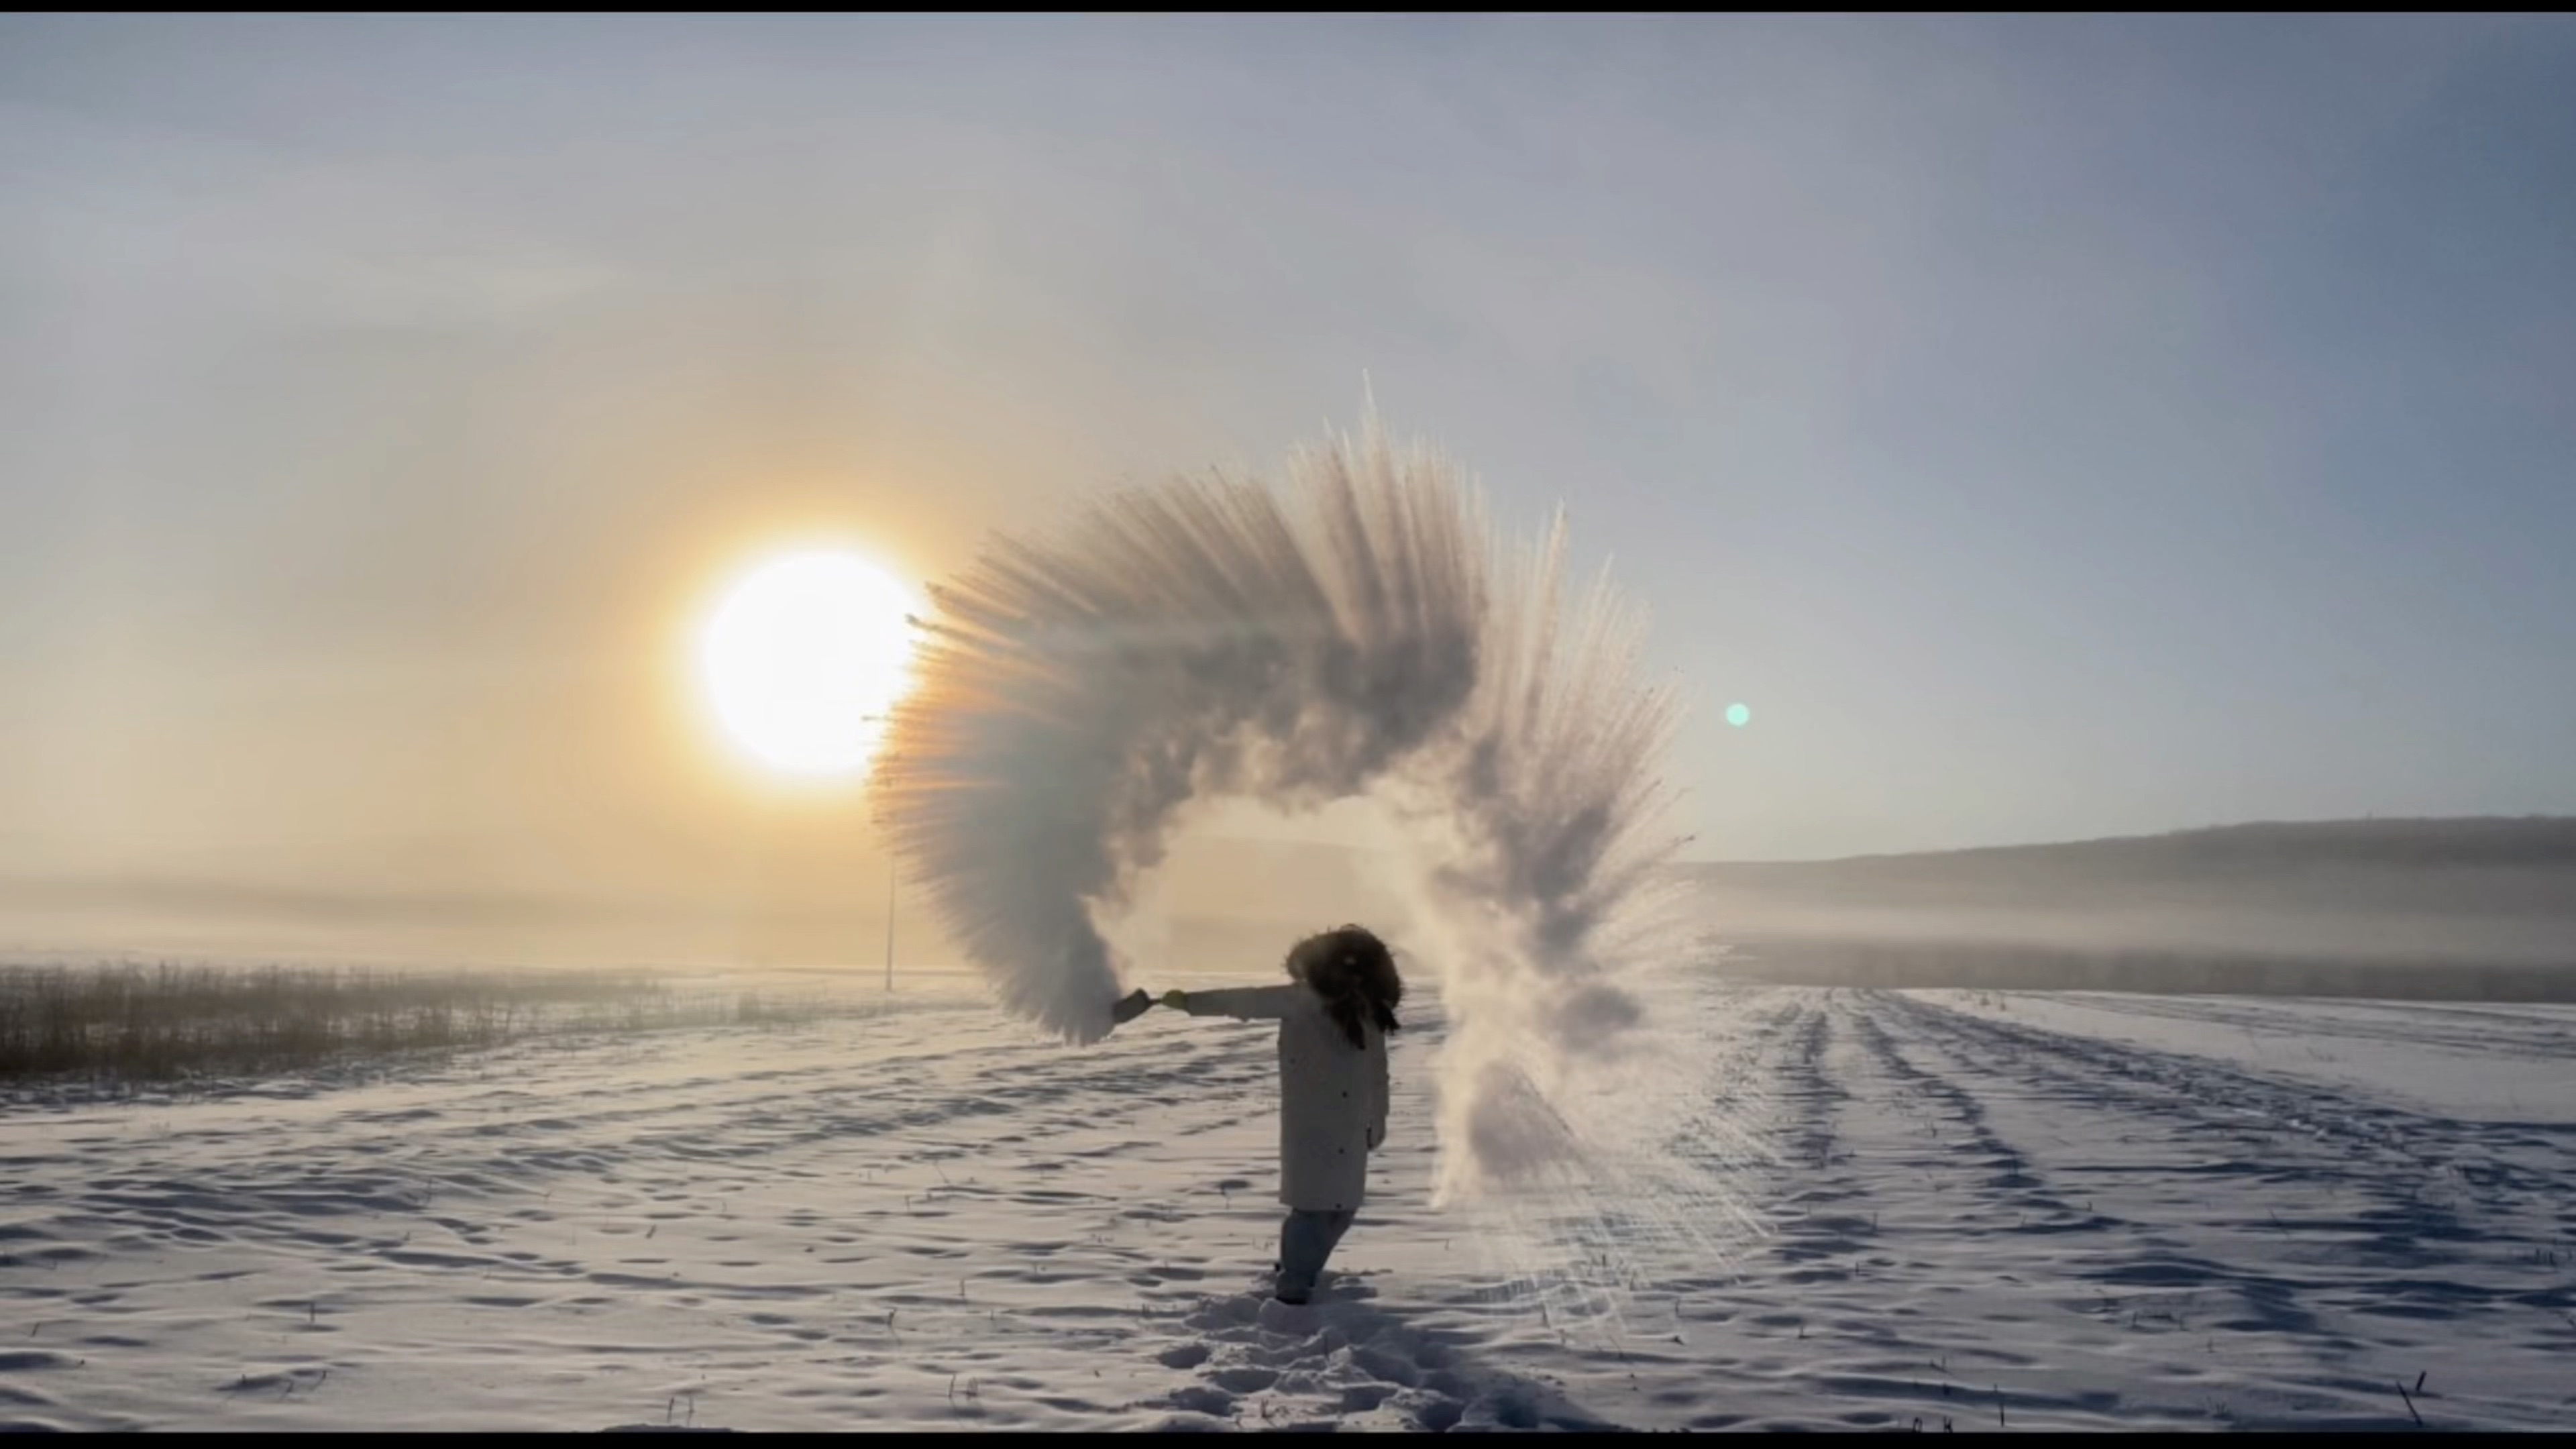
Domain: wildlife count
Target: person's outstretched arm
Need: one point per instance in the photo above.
(1129, 1007)
(1243, 1003)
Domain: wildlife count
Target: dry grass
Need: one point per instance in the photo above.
(167, 1022)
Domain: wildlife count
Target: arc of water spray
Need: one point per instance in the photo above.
(1357, 629)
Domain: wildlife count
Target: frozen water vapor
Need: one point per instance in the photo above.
(1356, 630)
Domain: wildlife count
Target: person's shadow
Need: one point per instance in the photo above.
(1263, 1364)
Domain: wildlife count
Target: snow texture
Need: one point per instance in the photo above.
(1963, 1210)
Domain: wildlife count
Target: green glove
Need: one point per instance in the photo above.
(1176, 1000)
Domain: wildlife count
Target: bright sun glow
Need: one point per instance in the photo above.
(803, 656)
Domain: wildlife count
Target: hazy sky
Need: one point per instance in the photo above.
(2050, 427)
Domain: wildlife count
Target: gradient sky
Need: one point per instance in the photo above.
(2050, 427)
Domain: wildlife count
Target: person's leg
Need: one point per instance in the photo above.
(1305, 1239)
(1336, 1223)
(1341, 1224)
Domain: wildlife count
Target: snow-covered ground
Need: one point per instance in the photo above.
(1967, 1210)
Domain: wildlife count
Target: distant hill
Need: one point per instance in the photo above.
(2547, 841)
(2347, 902)
(2450, 867)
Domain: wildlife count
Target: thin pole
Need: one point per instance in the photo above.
(887, 719)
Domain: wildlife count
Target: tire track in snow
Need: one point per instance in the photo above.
(2202, 1244)
(2011, 1181)
(2118, 1268)
(2347, 1210)
(2485, 1032)
(2262, 1109)
(1910, 1277)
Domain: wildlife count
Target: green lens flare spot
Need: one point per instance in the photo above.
(1738, 716)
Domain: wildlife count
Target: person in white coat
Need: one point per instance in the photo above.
(1334, 1016)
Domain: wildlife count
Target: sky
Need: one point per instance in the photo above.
(2048, 427)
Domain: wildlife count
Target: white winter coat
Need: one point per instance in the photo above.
(1332, 1095)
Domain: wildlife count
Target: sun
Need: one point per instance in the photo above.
(801, 657)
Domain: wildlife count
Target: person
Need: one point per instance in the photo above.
(1334, 1017)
